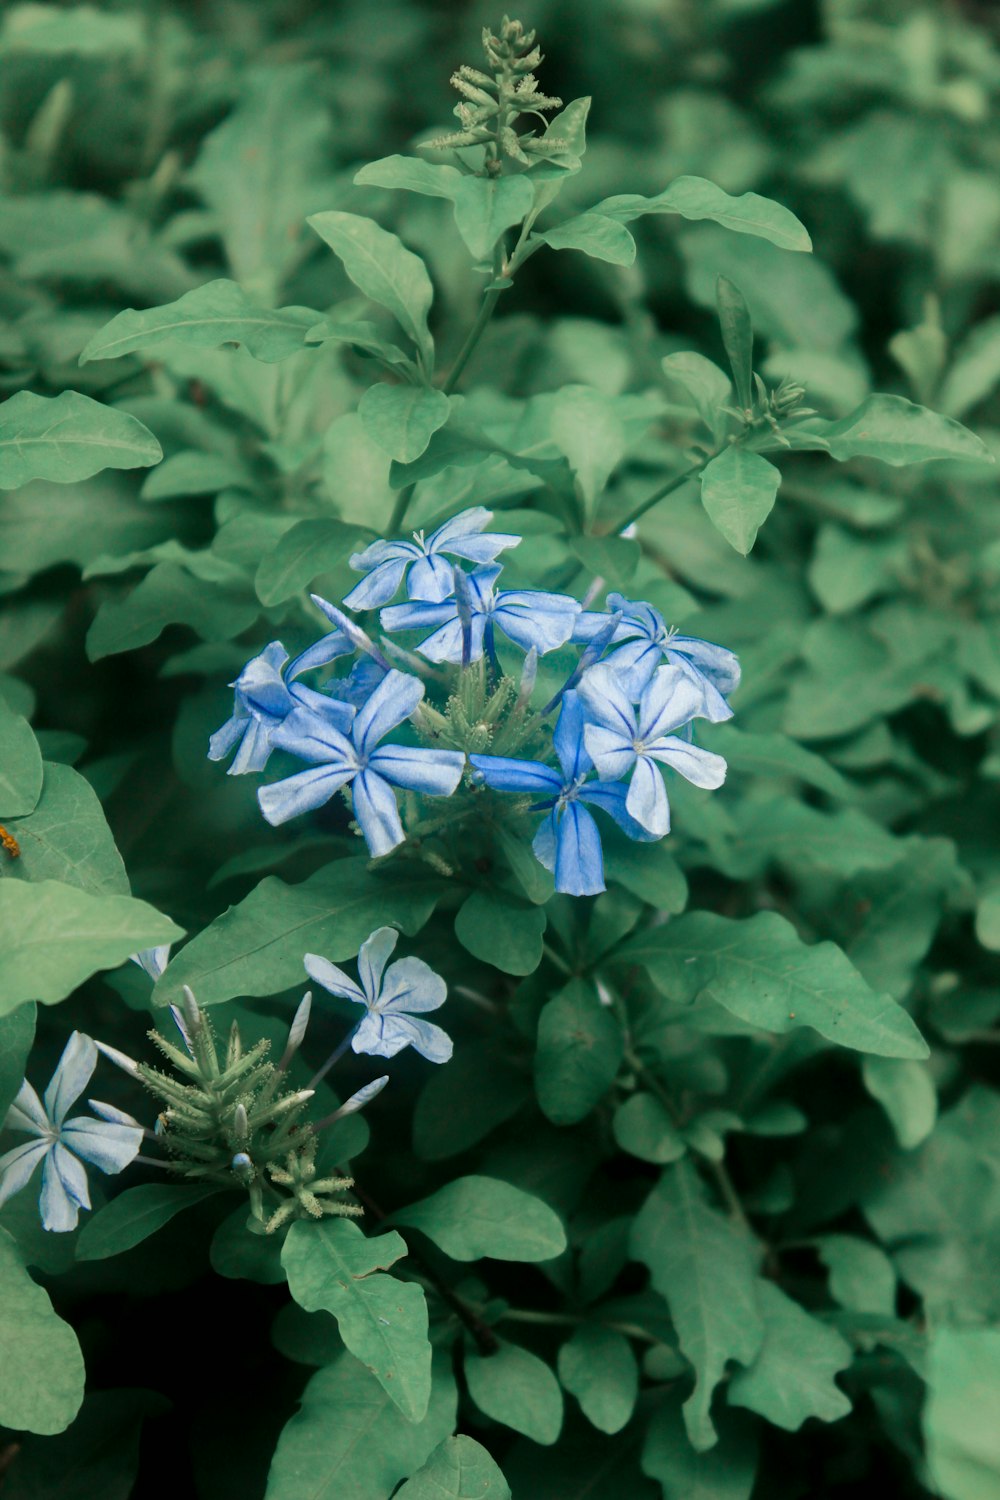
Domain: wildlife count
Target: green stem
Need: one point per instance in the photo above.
(486, 307)
(399, 509)
(574, 1320)
(663, 492)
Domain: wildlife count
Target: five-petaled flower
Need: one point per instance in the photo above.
(528, 617)
(646, 639)
(568, 841)
(64, 1145)
(266, 693)
(393, 998)
(430, 576)
(620, 740)
(340, 758)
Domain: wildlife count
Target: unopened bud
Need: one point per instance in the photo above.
(192, 1012)
(119, 1059)
(241, 1125)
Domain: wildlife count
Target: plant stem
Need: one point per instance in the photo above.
(489, 302)
(663, 492)
(399, 509)
(574, 1320)
(334, 1058)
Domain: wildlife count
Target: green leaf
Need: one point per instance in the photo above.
(898, 432)
(792, 1377)
(135, 1215)
(750, 753)
(580, 1047)
(708, 386)
(643, 1128)
(348, 1439)
(649, 871)
(56, 936)
(309, 549)
(760, 971)
(703, 1265)
(193, 473)
(41, 1373)
(458, 1469)
(696, 198)
(905, 1090)
(597, 1366)
(484, 206)
(738, 489)
(380, 266)
(501, 932)
(518, 1389)
(242, 1251)
(862, 1277)
(67, 837)
(461, 1104)
(17, 1032)
(20, 765)
(975, 370)
(67, 438)
(217, 313)
(57, 30)
(959, 1417)
(737, 337)
(598, 236)
(725, 1472)
(169, 595)
(382, 1321)
(97, 1455)
(472, 1217)
(256, 947)
(588, 430)
(402, 419)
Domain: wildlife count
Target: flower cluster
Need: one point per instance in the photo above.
(624, 714)
(230, 1117)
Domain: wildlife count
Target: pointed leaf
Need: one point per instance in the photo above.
(473, 1217)
(402, 419)
(136, 1214)
(737, 337)
(459, 1469)
(220, 312)
(380, 265)
(518, 1389)
(69, 437)
(738, 489)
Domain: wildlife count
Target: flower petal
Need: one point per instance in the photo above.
(720, 666)
(417, 614)
(17, 1166)
(314, 734)
(332, 979)
(64, 1190)
(647, 798)
(376, 812)
(611, 797)
(506, 775)
(433, 772)
(303, 792)
(531, 618)
(393, 1033)
(373, 956)
(26, 1112)
(481, 549)
(411, 985)
(380, 585)
(700, 767)
(568, 737)
(610, 751)
(605, 701)
(467, 523)
(579, 861)
(394, 700)
(74, 1070)
(232, 731)
(110, 1146)
(325, 650)
(673, 698)
(431, 579)
(543, 845)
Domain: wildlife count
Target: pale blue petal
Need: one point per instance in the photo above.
(376, 813)
(417, 614)
(532, 619)
(700, 767)
(331, 707)
(314, 734)
(326, 650)
(672, 699)
(423, 1036)
(332, 979)
(373, 956)
(261, 686)
(431, 579)
(434, 772)
(74, 1070)
(481, 582)
(17, 1166)
(446, 644)
(411, 985)
(26, 1112)
(481, 549)
(588, 623)
(579, 862)
(647, 798)
(394, 700)
(152, 961)
(301, 793)
(380, 552)
(611, 797)
(634, 664)
(606, 703)
(505, 775)
(255, 748)
(568, 737)
(720, 666)
(110, 1147)
(376, 1037)
(466, 524)
(64, 1190)
(611, 752)
(232, 731)
(380, 585)
(544, 843)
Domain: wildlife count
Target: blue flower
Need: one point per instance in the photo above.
(528, 617)
(568, 841)
(392, 998)
(266, 693)
(349, 757)
(64, 1145)
(153, 961)
(619, 740)
(387, 563)
(648, 640)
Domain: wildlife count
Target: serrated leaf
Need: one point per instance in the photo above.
(760, 971)
(220, 312)
(380, 265)
(738, 490)
(472, 1217)
(703, 1265)
(136, 1214)
(518, 1389)
(67, 438)
(56, 936)
(458, 1469)
(383, 1321)
(580, 1046)
(41, 1373)
(792, 1377)
(402, 419)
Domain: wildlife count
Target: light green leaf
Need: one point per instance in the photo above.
(747, 752)
(760, 971)
(220, 312)
(193, 473)
(56, 936)
(17, 1032)
(41, 1373)
(310, 548)
(642, 1127)
(136, 1214)
(696, 198)
(709, 387)
(20, 765)
(959, 1417)
(596, 235)
(256, 947)
(580, 1046)
(67, 438)
(597, 1366)
(458, 1469)
(792, 1377)
(382, 1321)
(55, 30)
(402, 419)
(587, 429)
(472, 1217)
(484, 206)
(67, 837)
(725, 1472)
(411, 174)
(736, 328)
(975, 370)
(862, 1277)
(738, 489)
(348, 1439)
(898, 432)
(241, 1251)
(905, 1090)
(703, 1265)
(518, 1389)
(501, 932)
(987, 918)
(380, 265)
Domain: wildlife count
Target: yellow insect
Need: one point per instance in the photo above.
(9, 842)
